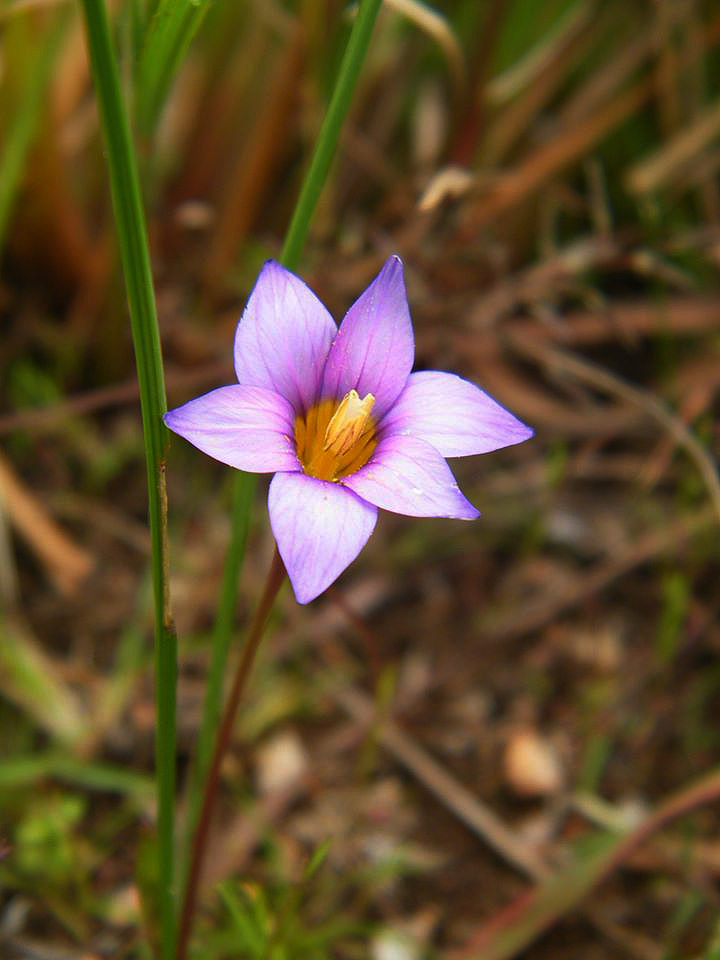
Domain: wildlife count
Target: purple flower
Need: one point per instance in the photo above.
(341, 421)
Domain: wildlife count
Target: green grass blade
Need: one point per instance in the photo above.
(172, 27)
(132, 237)
(24, 771)
(29, 679)
(22, 126)
(327, 142)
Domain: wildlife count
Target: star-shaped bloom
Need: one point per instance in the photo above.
(341, 421)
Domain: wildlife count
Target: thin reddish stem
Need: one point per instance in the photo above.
(275, 579)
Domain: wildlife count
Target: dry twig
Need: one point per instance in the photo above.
(596, 376)
(66, 563)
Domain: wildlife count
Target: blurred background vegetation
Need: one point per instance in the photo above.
(470, 745)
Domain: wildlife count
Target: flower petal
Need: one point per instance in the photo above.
(374, 349)
(453, 415)
(407, 475)
(246, 427)
(319, 527)
(283, 337)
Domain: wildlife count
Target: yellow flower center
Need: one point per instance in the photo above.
(334, 440)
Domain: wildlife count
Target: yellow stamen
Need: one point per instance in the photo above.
(348, 423)
(334, 440)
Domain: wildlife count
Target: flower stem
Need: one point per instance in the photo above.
(243, 489)
(135, 256)
(275, 579)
